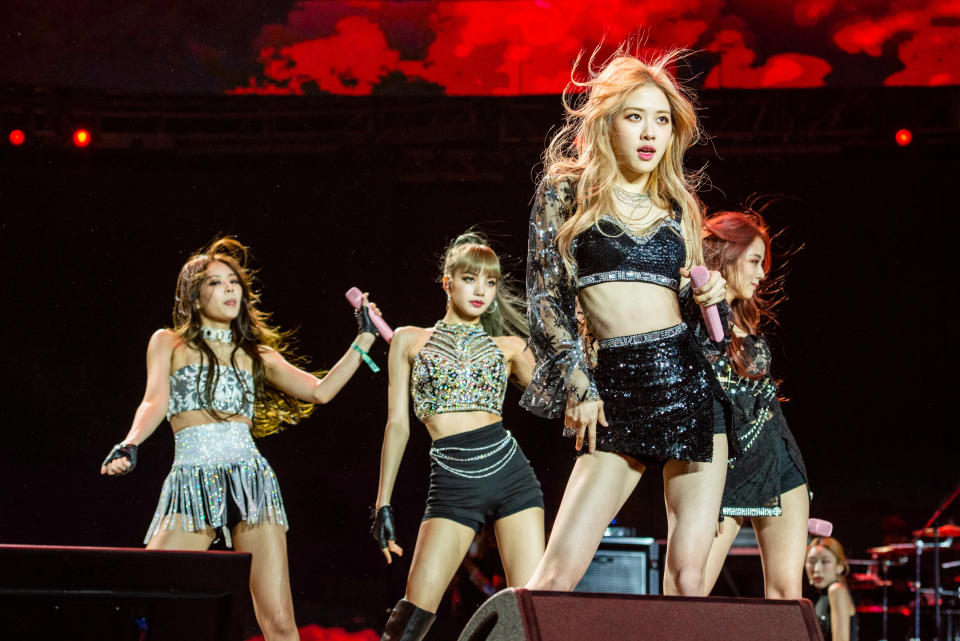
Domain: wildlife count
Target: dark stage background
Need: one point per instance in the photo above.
(91, 241)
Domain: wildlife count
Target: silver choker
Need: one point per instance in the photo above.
(217, 335)
(630, 198)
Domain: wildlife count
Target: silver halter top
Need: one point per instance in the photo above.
(460, 369)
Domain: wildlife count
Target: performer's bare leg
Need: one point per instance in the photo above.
(693, 492)
(599, 485)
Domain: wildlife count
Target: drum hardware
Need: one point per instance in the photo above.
(944, 533)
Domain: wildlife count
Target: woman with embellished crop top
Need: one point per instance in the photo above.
(768, 482)
(456, 374)
(221, 376)
(614, 229)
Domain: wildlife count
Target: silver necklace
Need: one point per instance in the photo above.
(629, 198)
(217, 335)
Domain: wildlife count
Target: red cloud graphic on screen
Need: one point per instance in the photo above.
(478, 47)
(510, 47)
(782, 70)
(931, 57)
(929, 47)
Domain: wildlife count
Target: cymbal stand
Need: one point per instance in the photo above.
(916, 598)
(885, 565)
(944, 504)
(936, 581)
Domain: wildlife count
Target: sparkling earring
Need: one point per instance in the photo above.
(494, 306)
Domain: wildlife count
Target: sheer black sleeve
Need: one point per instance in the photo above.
(561, 369)
(693, 317)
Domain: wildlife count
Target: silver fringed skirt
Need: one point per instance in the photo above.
(219, 478)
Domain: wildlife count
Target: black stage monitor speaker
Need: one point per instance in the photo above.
(623, 565)
(524, 615)
(120, 594)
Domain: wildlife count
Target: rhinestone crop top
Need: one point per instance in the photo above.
(460, 369)
(231, 396)
(608, 252)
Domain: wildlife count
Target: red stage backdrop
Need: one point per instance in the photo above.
(516, 47)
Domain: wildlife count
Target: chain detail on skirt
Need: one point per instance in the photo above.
(449, 457)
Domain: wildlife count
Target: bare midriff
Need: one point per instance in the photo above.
(441, 425)
(624, 308)
(192, 418)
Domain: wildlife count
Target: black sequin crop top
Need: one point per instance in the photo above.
(604, 253)
(233, 393)
(608, 252)
(460, 369)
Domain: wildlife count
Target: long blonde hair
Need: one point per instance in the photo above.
(582, 154)
(471, 254)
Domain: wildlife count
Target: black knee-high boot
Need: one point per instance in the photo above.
(407, 622)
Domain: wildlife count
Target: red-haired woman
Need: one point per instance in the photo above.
(221, 376)
(768, 481)
(827, 571)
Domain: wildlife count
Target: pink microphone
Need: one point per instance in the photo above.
(355, 297)
(819, 527)
(699, 276)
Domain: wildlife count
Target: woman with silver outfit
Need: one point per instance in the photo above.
(456, 373)
(222, 376)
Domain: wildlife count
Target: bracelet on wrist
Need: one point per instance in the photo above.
(366, 357)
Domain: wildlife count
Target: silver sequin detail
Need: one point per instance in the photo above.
(752, 511)
(628, 276)
(446, 457)
(460, 369)
(641, 339)
(217, 335)
(643, 239)
(213, 464)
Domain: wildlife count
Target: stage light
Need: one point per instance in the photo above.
(903, 137)
(81, 138)
(17, 137)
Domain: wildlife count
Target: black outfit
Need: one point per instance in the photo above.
(770, 462)
(660, 396)
(470, 494)
(822, 609)
(658, 407)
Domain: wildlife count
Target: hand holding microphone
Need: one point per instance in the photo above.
(699, 277)
(355, 298)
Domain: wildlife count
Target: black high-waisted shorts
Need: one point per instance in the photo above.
(660, 397)
(479, 475)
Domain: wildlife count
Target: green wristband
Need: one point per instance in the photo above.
(366, 358)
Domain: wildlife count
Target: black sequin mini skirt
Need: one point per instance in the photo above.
(660, 397)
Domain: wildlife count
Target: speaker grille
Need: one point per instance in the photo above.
(623, 565)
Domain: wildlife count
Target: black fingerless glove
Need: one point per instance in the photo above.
(364, 323)
(128, 451)
(382, 528)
